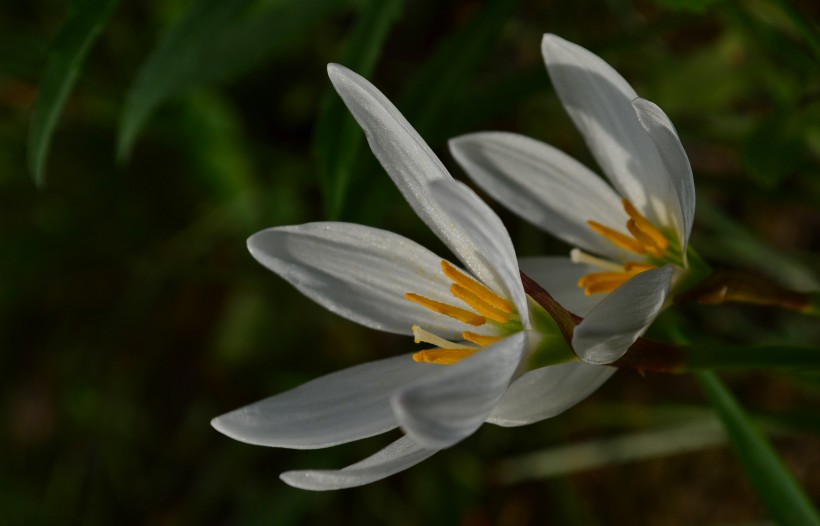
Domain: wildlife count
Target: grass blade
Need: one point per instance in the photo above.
(775, 486)
(66, 56)
(174, 63)
(338, 140)
(447, 73)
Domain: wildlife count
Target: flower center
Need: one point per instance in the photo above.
(488, 308)
(644, 240)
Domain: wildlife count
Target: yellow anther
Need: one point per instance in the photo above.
(476, 288)
(621, 240)
(645, 240)
(443, 356)
(645, 226)
(598, 277)
(634, 266)
(478, 305)
(604, 286)
(448, 310)
(597, 282)
(480, 339)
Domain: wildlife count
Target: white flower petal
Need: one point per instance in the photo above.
(343, 406)
(398, 456)
(361, 273)
(559, 276)
(598, 100)
(622, 317)
(548, 391)
(444, 408)
(663, 134)
(486, 246)
(543, 185)
(401, 151)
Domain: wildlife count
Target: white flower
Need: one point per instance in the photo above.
(484, 326)
(631, 237)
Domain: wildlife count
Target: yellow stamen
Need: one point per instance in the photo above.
(634, 266)
(621, 240)
(443, 356)
(645, 240)
(421, 335)
(597, 282)
(480, 339)
(448, 310)
(476, 288)
(598, 277)
(478, 305)
(645, 226)
(604, 286)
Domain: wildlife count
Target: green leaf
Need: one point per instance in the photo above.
(630, 447)
(66, 56)
(735, 244)
(447, 74)
(338, 140)
(775, 486)
(756, 357)
(175, 63)
(214, 41)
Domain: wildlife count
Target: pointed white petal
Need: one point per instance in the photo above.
(486, 246)
(361, 273)
(548, 391)
(401, 151)
(543, 185)
(398, 456)
(663, 134)
(559, 276)
(598, 100)
(343, 406)
(444, 408)
(622, 317)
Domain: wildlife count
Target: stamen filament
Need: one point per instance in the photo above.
(476, 288)
(579, 256)
(421, 335)
(448, 310)
(480, 339)
(645, 226)
(444, 356)
(478, 305)
(619, 239)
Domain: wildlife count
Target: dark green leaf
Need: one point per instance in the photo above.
(755, 357)
(66, 56)
(775, 486)
(214, 41)
(337, 140)
(174, 63)
(449, 71)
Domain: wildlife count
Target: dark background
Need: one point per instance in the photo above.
(131, 312)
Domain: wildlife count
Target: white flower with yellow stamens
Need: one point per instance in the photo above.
(484, 331)
(631, 238)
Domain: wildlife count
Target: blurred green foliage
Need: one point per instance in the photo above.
(131, 313)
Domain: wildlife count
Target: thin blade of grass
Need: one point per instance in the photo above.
(337, 140)
(776, 487)
(449, 71)
(767, 357)
(643, 445)
(65, 60)
(173, 64)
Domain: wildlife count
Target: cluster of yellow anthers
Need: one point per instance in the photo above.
(645, 240)
(488, 307)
